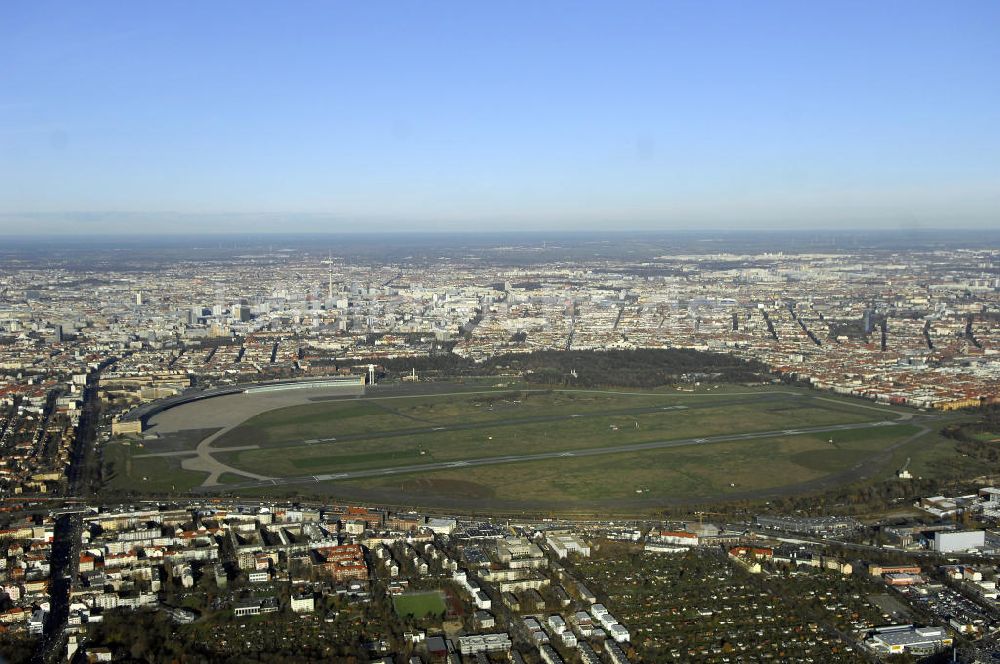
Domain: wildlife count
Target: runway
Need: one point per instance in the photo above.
(489, 461)
(490, 425)
(231, 410)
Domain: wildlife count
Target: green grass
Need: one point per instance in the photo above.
(155, 475)
(701, 471)
(585, 421)
(318, 420)
(387, 433)
(419, 605)
(370, 416)
(827, 459)
(935, 455)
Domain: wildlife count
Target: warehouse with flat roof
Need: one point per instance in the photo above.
(958, 541)
(900, 639)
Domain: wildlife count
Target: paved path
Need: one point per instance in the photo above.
(204, 462)
(229, 410)
(194, 452)
(901, 416)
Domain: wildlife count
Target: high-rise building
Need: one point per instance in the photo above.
(868, 320)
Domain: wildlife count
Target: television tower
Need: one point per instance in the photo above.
(329, 285)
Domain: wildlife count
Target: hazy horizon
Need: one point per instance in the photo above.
(194, 224)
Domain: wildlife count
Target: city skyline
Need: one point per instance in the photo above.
(448, 117)
(482, 447)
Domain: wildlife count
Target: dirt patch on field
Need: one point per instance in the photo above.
(447, 488)
(177, 441)
(456, 607)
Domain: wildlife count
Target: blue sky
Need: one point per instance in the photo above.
(338, 116)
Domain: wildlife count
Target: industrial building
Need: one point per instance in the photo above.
(990, 497)
(122, 428)
(900, 639)
(565, 543)
(355, 384)
(958, 541)
(820, 525)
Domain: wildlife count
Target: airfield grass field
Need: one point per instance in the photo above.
(699, 472)
(129, 471)
(386, 430)
(343, 418)
(597, 425)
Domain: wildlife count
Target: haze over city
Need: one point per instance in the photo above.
(330, 117)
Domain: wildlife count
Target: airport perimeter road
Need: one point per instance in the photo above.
(489, 461)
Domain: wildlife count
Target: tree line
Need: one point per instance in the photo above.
(643, 367)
